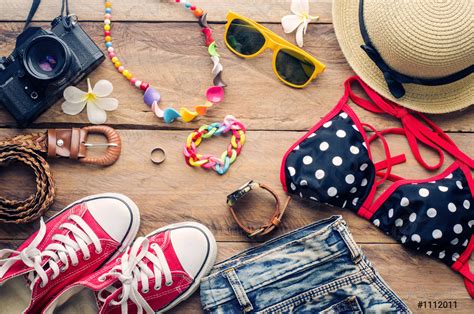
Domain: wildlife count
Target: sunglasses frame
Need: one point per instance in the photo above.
(276, 43)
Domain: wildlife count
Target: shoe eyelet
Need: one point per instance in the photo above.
(63, 269)
(157, 288)
(86, 258)
(145, 291)
(101, 279)
(98, 251)
(74, 265)
(168, 284)
(42, 285)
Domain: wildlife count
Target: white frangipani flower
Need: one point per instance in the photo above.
(298, 21)
(95, 100)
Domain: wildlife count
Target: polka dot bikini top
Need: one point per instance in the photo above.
(333, 164)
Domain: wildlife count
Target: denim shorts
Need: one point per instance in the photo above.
(316, 269)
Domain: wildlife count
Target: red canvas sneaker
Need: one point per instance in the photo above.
(72, 244)
(154, 275)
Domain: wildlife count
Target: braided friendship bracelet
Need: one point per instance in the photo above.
(207, 131)
(214, 95)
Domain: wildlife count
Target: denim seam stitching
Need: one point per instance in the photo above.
(316, 292)
(385, 290)
(263, 283)
(332, 225)
(239, 290)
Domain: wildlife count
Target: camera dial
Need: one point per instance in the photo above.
(46, 58)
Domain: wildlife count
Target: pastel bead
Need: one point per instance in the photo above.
(107, 27)
(133, 80)
(108, 10)
(110, 49)
(107, 39)
(121, 69)
(108, 16)
(108, 44)
(115, 59)
(118, 64)
(107, 22)
(138, 83)
(187, 5)
(107, 33)
(108, 4)
(112, 55)
(151, 95)
(198, 12)
(144, 86)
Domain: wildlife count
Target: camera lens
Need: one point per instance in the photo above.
(46, 58)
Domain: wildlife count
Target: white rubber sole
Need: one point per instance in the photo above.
(206, 268)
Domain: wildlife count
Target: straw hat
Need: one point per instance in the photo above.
(429, 41)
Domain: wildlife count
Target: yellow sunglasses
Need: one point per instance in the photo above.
(292, 65)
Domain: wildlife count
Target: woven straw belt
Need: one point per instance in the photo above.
(27, 149)
(31, 150)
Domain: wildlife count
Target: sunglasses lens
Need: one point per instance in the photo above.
(293, 67)
(244, 38)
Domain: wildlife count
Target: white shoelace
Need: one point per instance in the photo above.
(61, 250)
(132, 270)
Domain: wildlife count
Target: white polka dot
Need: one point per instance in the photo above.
(431, 212)
(303, 183)
(301, 195)
(457, 229)
(312, 135)
(466, 204)
(365, 145)
(343, 115)
(337, 161)
(320, 174)
(324, 146)
(465, 243)
(403, 239)
(404, 202)
(443, 188)
(390, 213)
(377, 222)
(429, 253)
(398, 222)
(297, 147)
(293, 187)
(452, 207)
(332, 191)
(437, 234)
(341, 133)
(355, 128)
(412, 217)
(350, 179)
(354, 201)
(313, 198)
(355, 150)
(307, 160)
(454, 241)
(470, 223)
(363, 167)
(344, 205)
(364, 182)
(327, 124)
(455, 257)
(353, 190)
(416, 238)
(449, 176)
(424, 192)
(459, 184)
(292, 171)
(442, 254)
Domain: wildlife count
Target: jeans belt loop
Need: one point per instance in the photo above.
(239, 290)
(356, 253)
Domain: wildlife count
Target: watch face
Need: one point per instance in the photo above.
(246, 184)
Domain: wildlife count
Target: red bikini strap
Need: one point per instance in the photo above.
(462, 266)
(414, 129)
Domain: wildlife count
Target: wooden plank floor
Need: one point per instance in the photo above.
(157, 42)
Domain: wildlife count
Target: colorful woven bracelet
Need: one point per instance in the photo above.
(220, 165)
(152, 98)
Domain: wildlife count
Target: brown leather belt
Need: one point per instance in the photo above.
(30, 150)
(274, 221)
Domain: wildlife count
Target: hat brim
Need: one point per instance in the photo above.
(428, 99)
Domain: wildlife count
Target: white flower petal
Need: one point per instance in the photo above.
(73, 108)
(107, 104)
(300, 7)
(103, 88)
(299, 35)
(73, 94)
(95, 114)
(290, 23)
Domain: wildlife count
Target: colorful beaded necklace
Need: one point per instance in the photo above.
(214, 95)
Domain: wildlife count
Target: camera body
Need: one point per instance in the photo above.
(42, 65)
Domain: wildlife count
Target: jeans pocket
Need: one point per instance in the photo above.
(348, 305)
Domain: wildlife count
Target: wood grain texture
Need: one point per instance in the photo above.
(180, 67)
(164, 10)
(174, 192)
